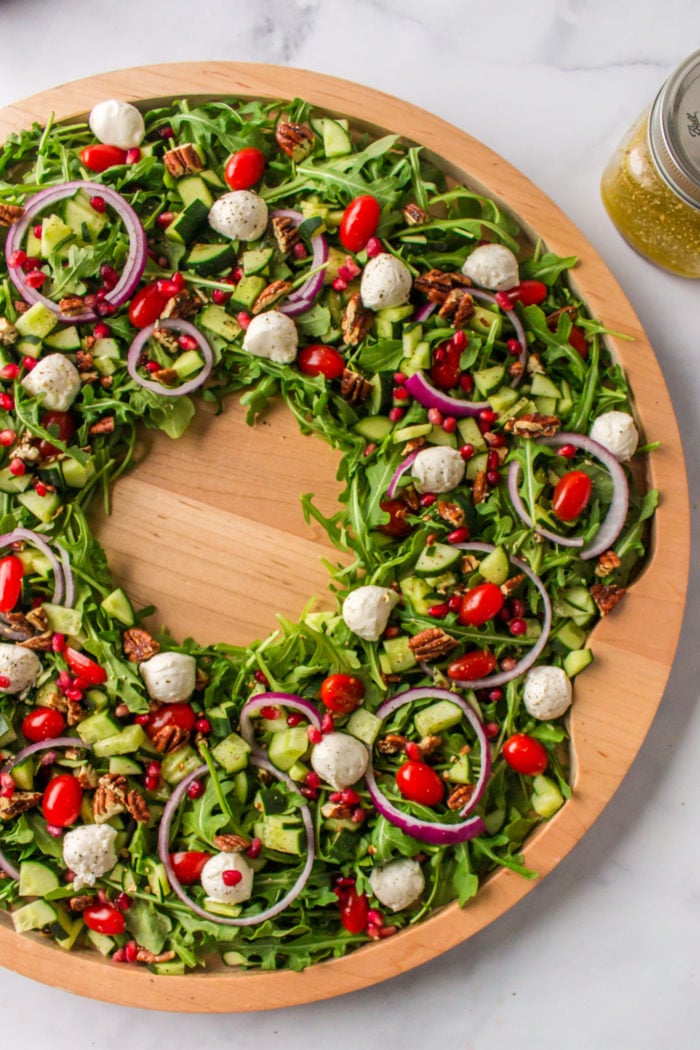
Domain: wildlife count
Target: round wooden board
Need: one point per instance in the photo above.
(206, 530)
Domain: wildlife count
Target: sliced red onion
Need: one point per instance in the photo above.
(433, 832)
(424, 312)
(295, 307)
(171, 807)
(254, 706)
(26, 752)
(302, 299)
(612, 524)
(420, 387)
(135, 261)
(400, 471)
(63, 583)
(174, 324)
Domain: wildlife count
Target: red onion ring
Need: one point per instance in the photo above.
(611, 526)
(135, 261)
(174, 324)
(428, 831)
(400, 471)
(302, 299)
(26, 752)
(164, 850)
(253, 707)
(64, 584)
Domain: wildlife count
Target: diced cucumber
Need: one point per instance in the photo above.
(30, 346)
(569, 636)
(14, 484)
(542, 386)
(566, 401)
(460, 771)
(185, 227)
(118, 607)
(67, 928)
(179, 764)
(229, 911)
(23, 774)
(36, 880)
(207, 259)
(187, 363)
(219, 718)
(298, 772)
(42, 507)
(437, 718)
(129, 740)
(33, 916)
(442, 583)
(212, 178)
(415, 591)
(411, 337)
(577, 660)
(495, 566)
(125, 767)
(38, 321)
(475, 464)
(55, 235)
(416, 430)
(363, 725)
(380, 398)
(470, 434)
(77, 475)
(546, 797)
(218, 321)
(489, 379)
(65, 339)
(194, 188)
(436, 559)
(288, 747)
(82, 218)
(174, 968)
(386, 322)
(336, 140)
(522, 406)
(399, 654)
(483, 320)
(374, 428)
(256, 261)
(419, 360)
(232, 753)
(105, 945)
(97, 727)
(546, 406)
(438, 436)
(503, 399)
(276, 833)
(246, 292)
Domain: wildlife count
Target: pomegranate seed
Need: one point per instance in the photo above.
(517, 627)
(335, 796)
(196, 789)
(427, 499)
(74, 695)
(310, 793)
(299, 250)
(508, 663)
(374, 247)
(17, 258)
(466, 451)
(10, 371)
(166, 132)
(294, 719)
(90, 301)
(109, 276)
(400, 393)
(123, 901)
(35, 278)
(220, 297)
(439, 354)
(40, 488)
(504, 300)
(261, 677)
(105, 309)
(387, 931)
(150, 783)
(466, 382)
(7, 402)
(459, 340)
(142, 720)
(4, 681)
(235, 276)
(101, 330)
(345, 881)
(351, 266)
(119, 956)
(370, 447)
(153, 768)
(339, 285)
(17, 468)
(327, 723)
(31, 263)
(497, 441)
(315, 735)
(438, 612)
(203, 726)
(231, 877)
(178, 280)
(460, 535)
(495, 695)
(454, 603)
(37, 230)
(64, 681)
(396, 414)
(375, 917)
(358, 816)
(392, 632)
(98, 204)
(243, 319)
(254, 849)
(165, 219)
(28, 363)
(7, 786)
(187, 342)
(413, 751)
(514, 347)
(493, 477)
(491, 730)
(133, 155)
(269, 712)
(567, 451)
(487, 416)
(506, 614)
(312, 779)
(518, 607)
(435, 417)
(54, 831)
(167, 288)
(492, 461)
(449, 424)
(152, 366)
(349, 797)
(131, 951)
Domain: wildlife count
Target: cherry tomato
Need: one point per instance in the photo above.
(320, 360)
(445, 372)
(359, 222)
(524, 754)
(188, 866)
(180, 715)
(100, 157)
(11, 573)
(471, 666)
(577, 339)
(244, 168)
(147, 305)
(43, 723)
(571, 495)
(354, 909)
(529, 293)
(418, 782)
(342, 693)
(480, 604)
(62, 800)
(60, 423)
(103, 918)
(396, 526)
(89, 672)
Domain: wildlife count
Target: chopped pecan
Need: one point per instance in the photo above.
(10, 214)
(183, 304)
(354, 387)
(296, 140)
(166, 338)
(15, 626)
(411, 498)
(42, 643)
(169, 738)
(84, 360)
(231, 843)
(145, 955)
(270, 295)
(139, 645)
(26, 450)
(606, 596)
(413, 445)
(20, 306)
(469, 563)
(71, 306)
(534, 364)
(607, 563)
(285, 231)
(103, 426)
(428, 745)
(20, 802)
(137, 807)
(436, 285)
(109, 798)
(87, 777)
(106, 382)
(458, 798)
(431, 644)
(356, 321)
(450, 512)
(89, 377)
(336, 811)
(391, 744)
(183, 160)
(166, 376)
(83, 901)
(480, 489)
(512, 584)
(414, 214)
(516, 369)
(533, 424)
(458, 306)
(8, 333)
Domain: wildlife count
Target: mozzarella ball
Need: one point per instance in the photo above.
(438, 469)
(117, 123)
(366, 610)
(386, 282)
(272, 335)
(547, 692)
(240, 215)
(492, 266)
(169, 677)
(213, 881)
(21, 666)
(398, 883)
(89, 852)
(57, 379)
(616, 432)
(340, 760)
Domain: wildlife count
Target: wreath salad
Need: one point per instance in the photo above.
(163, 802)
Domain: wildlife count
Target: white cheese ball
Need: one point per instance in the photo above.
(169, 677)
(492, 266)
(272, 335)
(386, 282)
(214, 885)
(57, 379)
(366, 610)
(547, 692)
(89, 852)
(117, 123)
(616, 432)
(398, 883)
(240, 215)
(21, 666)
(438, 469)
(340, 760)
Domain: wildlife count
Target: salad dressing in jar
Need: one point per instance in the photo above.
(651, 187)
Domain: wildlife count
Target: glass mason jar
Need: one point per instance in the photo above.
(651, 187)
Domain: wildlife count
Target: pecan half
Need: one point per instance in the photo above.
(10, 214)
(183, 160)
(166, 376)
(356, 321)
(606, 596)
(458, 798)
(166, 338)
(480, 489)
(392, 744)
(87, 777)
(183, 304)
(285, 232)
(428, 745)
(414, 214)
(296, 140)
(458, 307)
(42, 643)
(431, 644)
(270, 295)
(8, 333)
(20, 802)
(512, 584)
(607, 563)
(231, 843)
(354, 387)
(169, 738)
(139, 645)
(80, 903)
(533, 424)
(450, 512)
(137, 806)
(103, 426)
(71, 306)
(436, 285)
(109, 798)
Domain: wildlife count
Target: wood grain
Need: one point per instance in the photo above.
(210, 529)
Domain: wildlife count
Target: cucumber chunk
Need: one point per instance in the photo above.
(36, 880)
(495, 566)
(130, 739)
(438, 717)
(437, 559)
(34, 916)
(232, 753)
(287, 747)
(399, 656)
(179, 764)
(577, 660)
(38, 321)
(363, 725)
(118, 607)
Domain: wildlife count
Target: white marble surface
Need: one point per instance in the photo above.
(604, 953)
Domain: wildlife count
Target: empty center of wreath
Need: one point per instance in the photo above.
(210, 529)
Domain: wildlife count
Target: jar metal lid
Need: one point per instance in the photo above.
(674, 131)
